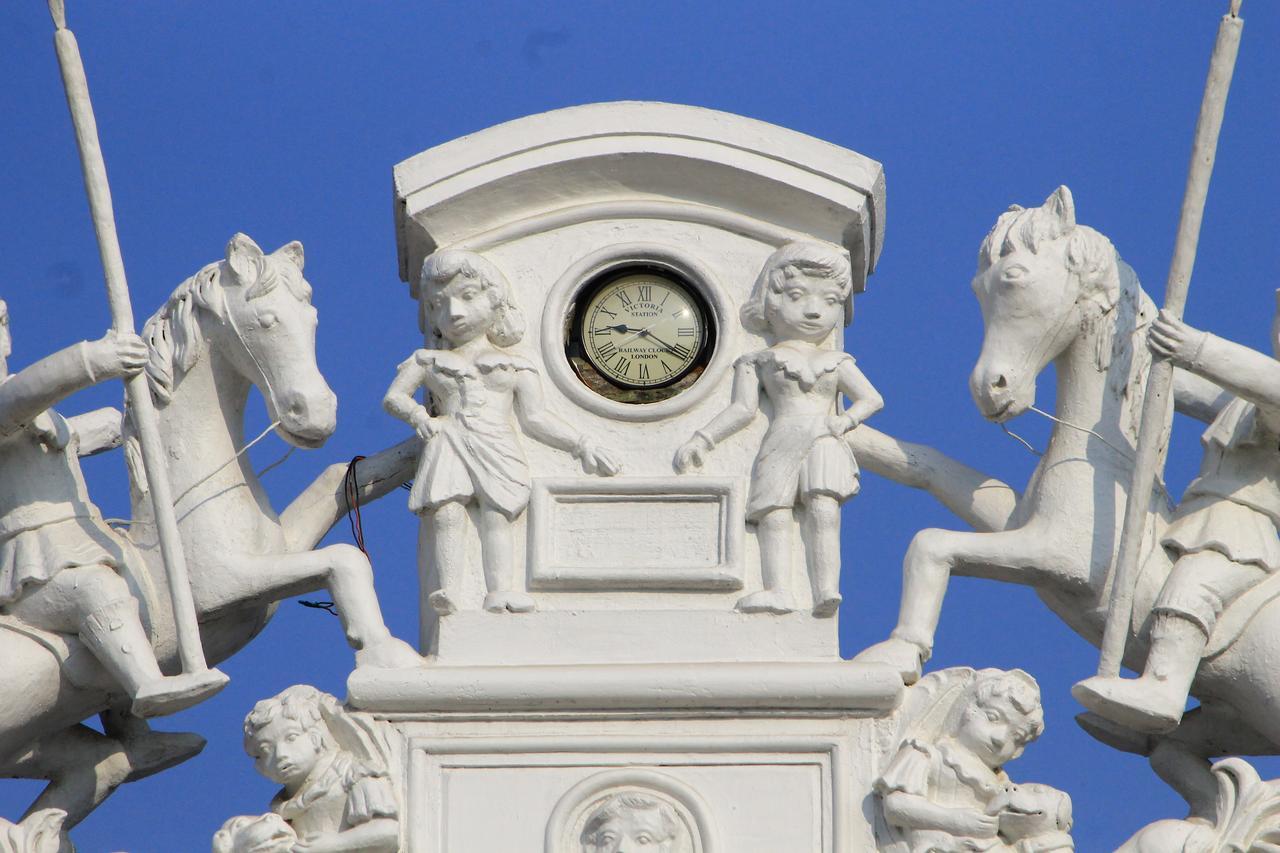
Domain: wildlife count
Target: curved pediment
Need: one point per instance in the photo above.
(632, 159)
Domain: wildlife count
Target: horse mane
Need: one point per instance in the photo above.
(172, 334)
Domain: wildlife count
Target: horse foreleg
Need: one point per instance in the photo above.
(983, 502)
(1015, 556)
(323, 503)
(341, 569)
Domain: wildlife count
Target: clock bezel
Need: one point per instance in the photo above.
(580, 355)
(565, 291)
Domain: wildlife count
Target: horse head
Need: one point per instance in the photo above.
(253, 309)
(1040, 278)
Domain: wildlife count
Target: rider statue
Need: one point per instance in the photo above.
(59, 563)
(1224, 533)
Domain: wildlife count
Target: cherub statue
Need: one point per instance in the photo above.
(946, 790)
(630, 821)
(1223, 538)
(59, 563)
(799, 297)
(336, 795)
(471, 453)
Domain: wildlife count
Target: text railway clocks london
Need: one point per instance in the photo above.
(639, 334)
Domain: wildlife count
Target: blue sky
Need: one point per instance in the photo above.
(283, 120)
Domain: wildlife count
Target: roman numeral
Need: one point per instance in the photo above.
(681, 351)
(646, 292)
(606, 352)
(624, 299)
(685, 332)
(604, 330)
(666, 368)
(604, 310)
(644, 371)
(622, 365)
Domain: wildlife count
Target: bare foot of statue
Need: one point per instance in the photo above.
(389, 654)
(174, 693)
(509, 601)
(827, 605)
(1142, 704)
(903, 655)
(766, 601)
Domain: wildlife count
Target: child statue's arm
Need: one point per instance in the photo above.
(43, 384)
(741, 411)
(379, 835)
(864, 399)
(539, 423)
(399, 401)
(914, 811)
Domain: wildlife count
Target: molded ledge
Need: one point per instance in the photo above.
(823, 687)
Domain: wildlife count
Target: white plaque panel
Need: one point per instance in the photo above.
(663, 533)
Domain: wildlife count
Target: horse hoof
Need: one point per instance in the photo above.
(765, 601)
(1132, 703)
(903, 655)
(509, 601)
(174, 693)
(827, 606)
(389, 654)
(441, 603)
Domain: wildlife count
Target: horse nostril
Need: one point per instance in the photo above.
(1000, 383)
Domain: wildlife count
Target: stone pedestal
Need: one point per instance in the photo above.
(762, 757)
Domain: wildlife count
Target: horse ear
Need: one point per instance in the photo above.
(293, 252)
(244, 257)
(1063, 207)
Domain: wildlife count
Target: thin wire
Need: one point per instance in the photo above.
(1058, 420)
(238, 454)
(279, 461)
(351, 491)
(1020, 440)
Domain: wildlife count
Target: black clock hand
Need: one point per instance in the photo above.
(660, 342)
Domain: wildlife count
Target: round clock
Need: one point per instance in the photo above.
(640, 334)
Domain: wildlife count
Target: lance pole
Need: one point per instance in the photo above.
(137, 392)
(1158, 398)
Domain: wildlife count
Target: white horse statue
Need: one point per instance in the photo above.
(242, 322)
(1052, 291)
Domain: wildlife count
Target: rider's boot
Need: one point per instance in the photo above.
(1154, 702)
(115, 635)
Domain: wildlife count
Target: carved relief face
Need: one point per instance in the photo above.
(991, 731)
(807, 308)
(461, 310)
(631, 825)
(285, 752)
(633, 832)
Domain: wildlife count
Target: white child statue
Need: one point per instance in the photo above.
(946, 791)
(471, 452)
(336, 796)
(799, 298)
(59, 563)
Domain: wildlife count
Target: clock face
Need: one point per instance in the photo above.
(643, 329)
